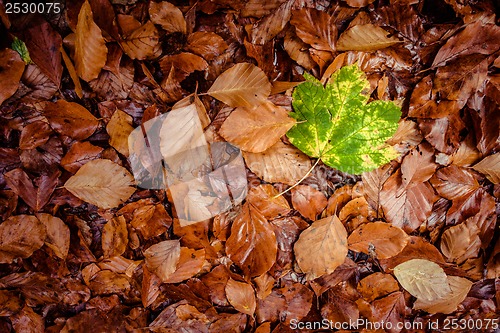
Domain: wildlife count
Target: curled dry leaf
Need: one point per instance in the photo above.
(168, 16)
(279, 163)
(141, 43)
(490, 167)
(11, 70)
(58, 235)
(162, 258)
(241, 296)
(90, 47)
(380, 238)
(256, 129)
(114, 237)
(308, 201)
(119, 128)
(264, 198)
(70, 119)
(459, 286)
(423, 279)
(315, 28)
(252, 244)
(102, 183)
(244, 84)
(20, 236)
(365, 37)
(322, 247)
(206, 44)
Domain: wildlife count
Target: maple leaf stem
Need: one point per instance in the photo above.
(300, 180)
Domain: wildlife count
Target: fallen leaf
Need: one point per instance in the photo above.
(114, 237)
(423, 279)
(34, 135)
(271, 25)
(141, 43)
(279, 163)
(265, 198)
(11, 70)
(70, 119)
(377, 285)
(168, 16)
(461, 242)
(365, 37)
(454, 182)
(315, 28)
(459, 289)
(381, 238)
(108, 282)
(308, 201)
(298, 50)
(20, 236)
(119, 128)
(58, 235)
(418, 166)
(190, 263)
(27, 320)
(256, 129)
(359, 3)
(102, 183)
(322, 247)
(90, 47)
(244, 84)
(241, 296)
(184, 63)
(206, 44)
(79, 154)
(490, 167)
(162, 258)
(252, 244)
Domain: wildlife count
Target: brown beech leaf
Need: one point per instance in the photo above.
(423, 279)
(108, 282)
(359, 3)
(365, 37)
(58, 235)
(418, 166)
(410, 209)
(90, 47)
(119, 128)
(308, 201)
(190, 263)
(244, 84)
(298, 50)
(279, 163)
(459, 286)
(259, 8)
(11, 70)
(315, 28)
(377, 285)
(70, 119)
(373, 182)
(206, 44)
(184, 63)
(241, 296)
(102, 183)
(162, 258)
(271, 25)
(79, 154)
(150, 287)
(114, 237)
(383, 239)
(252, 244)
(34, 135)
(168, 16)
(264, 198)
(390, 309)
(20, 236)
(322, 247)
(454, 182)
(256, 129)
(141, 43)
(490, 167)
(461, 242)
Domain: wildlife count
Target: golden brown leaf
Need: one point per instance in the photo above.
(141, 43)
(490, 167)
(206, 44)
(241, 296)
(79, 154)
(454, 182)
(365, 37)
(90, 48)
(119, 128)
(190, 263)
(377, 285)
(168, 16)
(264, 198)
(11, 70)
(418, 166)
(162, 258)
(315, 28)
(70, 119)
(58, 235)
(461, 242)
(381, 238)
(322, 247)
(114, 237)
(459, 289)
(20, 236)
(108, 282)
(256, 129)
(102, 183)
(244, 84)
(308, 201)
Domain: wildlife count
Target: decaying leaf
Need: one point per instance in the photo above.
(102, 183)
(380, 238)
(20, 236)
(327, 240)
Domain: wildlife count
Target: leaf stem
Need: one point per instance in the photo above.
(300, 180)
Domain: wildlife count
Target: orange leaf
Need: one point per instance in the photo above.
(58, 235)
(382, 238)
(377, 285)
(141, 43)
(20, 236)
(190, 263)
(308, 201)
(241, 296)
(263, 197)
(71, 119)
(206, 44)
(114, 237)
(11, 70)
(168, 16)
(119, 128)
(162, 258)
(315, 28)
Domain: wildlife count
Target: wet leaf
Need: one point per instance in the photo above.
(162, 258)
(58, 235)
(241, 296)
(168, 16)
(20, 236)
(11, 70)
(308, 201)
(380, 238)
(490, 167)
(190, 263)
(365, 37)
(70, 119)
(114, 237)
(265, 198)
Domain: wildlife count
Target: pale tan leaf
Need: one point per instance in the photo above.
(256, 129)
(459, 289)
(423, 279)
(102, 183)
(141, 43)
(20, 236)
(244, 84)
(280, 163)
(365, 37)
(461, 242)
(114, 237)
(58, 234)
(163, 257)
(90, 47)
(168, 16)
(380, 238)
(241, 296)
(490, 167)
(195, 101)
(322, 247)
(119, 128)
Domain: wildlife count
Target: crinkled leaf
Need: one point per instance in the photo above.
(336, 124)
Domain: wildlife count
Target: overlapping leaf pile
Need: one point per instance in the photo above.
(82, 249)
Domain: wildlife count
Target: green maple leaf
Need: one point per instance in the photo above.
(338, 126)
